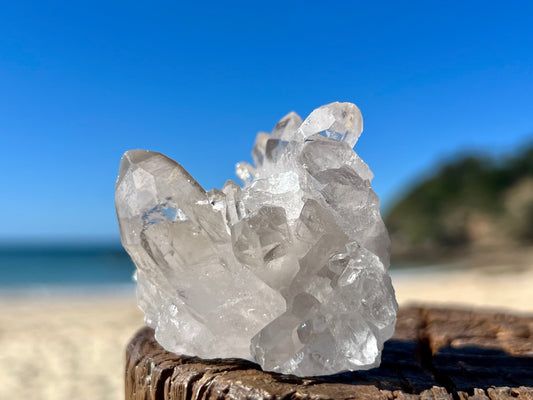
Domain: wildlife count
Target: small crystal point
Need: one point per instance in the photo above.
(235, 210)
(286, 128)
(259, 149)
(290, 270)
(245, 172)
(341, 121)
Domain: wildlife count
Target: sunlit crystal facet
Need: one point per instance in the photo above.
(289, 270)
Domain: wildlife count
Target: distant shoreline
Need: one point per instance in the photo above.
(63, 292)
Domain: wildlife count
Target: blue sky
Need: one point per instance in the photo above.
(82, 82)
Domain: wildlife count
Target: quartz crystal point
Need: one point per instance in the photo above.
(289, 270)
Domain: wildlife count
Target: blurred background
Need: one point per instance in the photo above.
(446, 92)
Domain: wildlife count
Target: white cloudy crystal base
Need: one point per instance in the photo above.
(290, 270)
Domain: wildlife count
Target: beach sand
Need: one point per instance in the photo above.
(72, 347)
(493, 281)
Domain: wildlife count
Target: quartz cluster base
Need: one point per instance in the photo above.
(289, 270)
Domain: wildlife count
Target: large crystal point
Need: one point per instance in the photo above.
(289, 270)
(195, 293)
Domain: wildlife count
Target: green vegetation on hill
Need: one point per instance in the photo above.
(469, 204)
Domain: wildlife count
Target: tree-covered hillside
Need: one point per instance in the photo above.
(471, 203)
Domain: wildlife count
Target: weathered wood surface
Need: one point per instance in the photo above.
(434, 354)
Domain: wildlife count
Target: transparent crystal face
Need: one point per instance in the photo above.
(289, 270)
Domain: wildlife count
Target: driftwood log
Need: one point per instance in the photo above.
(434, 354)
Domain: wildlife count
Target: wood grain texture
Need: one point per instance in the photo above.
(435, 354)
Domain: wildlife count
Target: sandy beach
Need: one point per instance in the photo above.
(72, 346)
(491, 288)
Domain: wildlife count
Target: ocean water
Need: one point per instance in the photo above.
(84, 269)
(30, 266)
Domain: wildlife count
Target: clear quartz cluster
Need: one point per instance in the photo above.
(289, 270)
